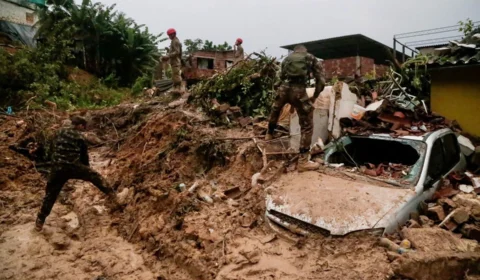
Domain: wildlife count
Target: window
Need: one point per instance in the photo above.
(436, 166)
(452, 152)
(205, 63)
(228, 64)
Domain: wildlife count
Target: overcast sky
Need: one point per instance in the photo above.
(268, 24)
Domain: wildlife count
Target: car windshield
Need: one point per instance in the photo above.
(394, 160)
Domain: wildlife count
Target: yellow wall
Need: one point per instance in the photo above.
(456, 95)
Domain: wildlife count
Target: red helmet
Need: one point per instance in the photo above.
(171, 31)
(239, 40)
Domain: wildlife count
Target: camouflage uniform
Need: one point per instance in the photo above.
(70, 159)
(294, 92)
(239, 53)
(175, 55)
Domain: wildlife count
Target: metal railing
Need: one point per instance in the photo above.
(425, 38)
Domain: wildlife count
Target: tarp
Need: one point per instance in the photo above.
(38, 2)
(18, 33)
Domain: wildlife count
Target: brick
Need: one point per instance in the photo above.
(471, 231)
(436, 213)
(447, 202)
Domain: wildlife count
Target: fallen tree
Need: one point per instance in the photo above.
(249, 85)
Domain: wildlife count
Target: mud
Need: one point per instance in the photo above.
(146, 152)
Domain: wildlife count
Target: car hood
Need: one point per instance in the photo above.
(339, 205)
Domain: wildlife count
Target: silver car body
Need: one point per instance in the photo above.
(338, 204)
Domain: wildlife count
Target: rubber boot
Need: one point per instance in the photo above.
(304, 164)
(38, 225)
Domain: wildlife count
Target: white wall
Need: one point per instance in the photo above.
(17, 14)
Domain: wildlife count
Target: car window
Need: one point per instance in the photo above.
(436, 166)
(452, 152)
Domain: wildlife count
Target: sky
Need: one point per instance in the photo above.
(269, 24)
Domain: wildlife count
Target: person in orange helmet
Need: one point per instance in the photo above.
(175, 56)
(239, 53)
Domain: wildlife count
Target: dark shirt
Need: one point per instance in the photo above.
(69, 146)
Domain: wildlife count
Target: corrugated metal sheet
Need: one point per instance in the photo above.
(463, 52)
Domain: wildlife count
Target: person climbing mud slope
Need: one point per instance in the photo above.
(295, 71)
(70, 161)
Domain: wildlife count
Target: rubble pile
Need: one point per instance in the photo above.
(455, 206)
(385, 116)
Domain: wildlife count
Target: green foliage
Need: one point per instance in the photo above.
(141, 83)
(466, 27)
(90, 36)
(249, 85)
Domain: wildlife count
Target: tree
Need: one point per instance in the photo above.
(111, 43)
(192, 46)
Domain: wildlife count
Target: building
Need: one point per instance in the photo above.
(203, 64)
(351, 55)
(455, 89)
(17, 20)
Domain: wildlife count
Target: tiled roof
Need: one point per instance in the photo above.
(467, 51)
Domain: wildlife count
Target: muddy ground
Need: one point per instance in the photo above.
(165, 232)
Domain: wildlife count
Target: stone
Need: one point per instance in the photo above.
(460, 216)
(413, 224)
(72, 220)
(425, 221)
(123, 196)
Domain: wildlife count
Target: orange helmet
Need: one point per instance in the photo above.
(171, 31)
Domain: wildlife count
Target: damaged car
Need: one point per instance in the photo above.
(373, 183)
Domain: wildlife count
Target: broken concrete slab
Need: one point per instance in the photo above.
(466, 188)
(466, 146)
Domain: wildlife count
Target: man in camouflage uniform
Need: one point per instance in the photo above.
(70, 161)
(239, 53)
(293, 91)
(175, 56)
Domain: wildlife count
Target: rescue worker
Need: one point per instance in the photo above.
(294, 74)
(239, 53)
(175, 56)
(70, 161)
